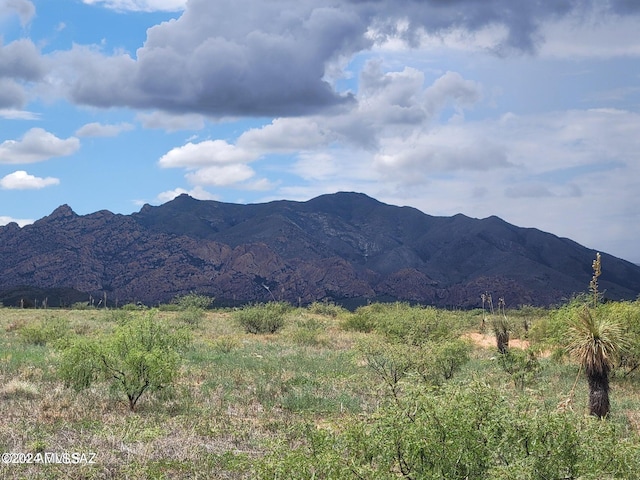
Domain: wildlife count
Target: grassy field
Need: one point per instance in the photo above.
(257, 405)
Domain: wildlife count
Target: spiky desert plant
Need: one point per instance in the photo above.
(500, 326)
(595, 342)
(501, 331)
(488, 301)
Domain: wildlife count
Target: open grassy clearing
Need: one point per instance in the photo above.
(322, 396)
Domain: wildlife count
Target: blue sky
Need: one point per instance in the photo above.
(524, 110)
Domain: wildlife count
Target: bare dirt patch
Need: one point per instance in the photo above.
(487, 341)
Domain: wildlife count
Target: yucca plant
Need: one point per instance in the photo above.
(595, 342)
(501, 328)
(501, 331)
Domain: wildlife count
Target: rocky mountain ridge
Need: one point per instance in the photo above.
(343, 247)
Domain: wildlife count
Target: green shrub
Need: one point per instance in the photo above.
(450, 356)
(265, 318)
(405, 324)
(142, 354)
(308, 331)
(551, 330)
(327, 309)
(193, 301)
(433, 362)
(525, 317)
(627, 314)
(225, 344)
(117, 315)
(522, 365)
(191, 316)
(391, 363)
(358, 322)
(458, 432)
(44, 331)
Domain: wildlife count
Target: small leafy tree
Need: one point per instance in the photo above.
(141, 355)
(390, 362)
(394, 363)
(450, 356)
(523, 366)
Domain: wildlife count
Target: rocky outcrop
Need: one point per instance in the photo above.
(341, 247)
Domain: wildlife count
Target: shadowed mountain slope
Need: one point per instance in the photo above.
(345, 247)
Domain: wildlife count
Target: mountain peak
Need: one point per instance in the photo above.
(184, 198)
(344, 247)
(343, 201)
(344, 196)
(11, 227)
(62, 212)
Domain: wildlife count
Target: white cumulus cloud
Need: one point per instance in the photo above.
(96, 129)
(35, 146)
(221, 175)
(208, 152)
(21, 180)
(141, 5)
(213, 163)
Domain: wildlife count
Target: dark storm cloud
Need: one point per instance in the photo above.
(11, 94)
(20, 60)
(521, 18)
(225, 58)
(249, 57)
(625, 6)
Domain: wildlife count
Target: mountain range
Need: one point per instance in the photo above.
(344, 247)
